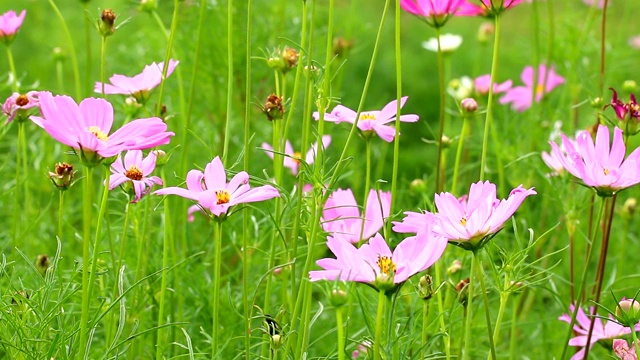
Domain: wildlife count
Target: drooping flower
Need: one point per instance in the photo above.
(20, 105)
(602, 330)
(600, 165)
(448, 43)
(520, 96)
(9, 25)
(212, 192)
(86, 127)
(371, 122)
(488, 8)
(469, 221)
(140, 85)
(624, 351)
(482, 82)
(375, 264)
(133, 171)
(435, 12)
(342, 218)
(292, 158)
(628, 113)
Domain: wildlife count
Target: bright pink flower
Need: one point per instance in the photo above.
(600, 165)
(212, 192)
(134, 170)
(622, 109)
(292, 158)
(601, 330)
(624, 351)
(520, 96)
(140, 85)
(488, 7)
(19, 105)
(435, 12)
(374, 263)
(86, 127)
(481, 84)
(342, 219)
(371, 121)
(10, 24)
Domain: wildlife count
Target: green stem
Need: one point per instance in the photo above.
(487, 124)
(425, 325)
(72, 51)
(227, 127)
(12, 68)
(167, 56)
(87, 203)
(88, 30)
(341, 335)
(367, 185)
(123, 241)
(167, 246)
(216, 285)
(17, 213)
(396, 139)
(377, 353)
(503, 303)
(441, 89)
(441, 312)
(456, 166)
(60, 214)
(485, 297)
(60, 76)
(467, 325)
(103, 55)
(636, 343)
(513, 335)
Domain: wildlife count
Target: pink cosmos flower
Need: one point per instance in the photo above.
(293, 158)
(374, 263)
(600, 165)
(520, 96)
(622, 109)
(371, 121)
(481, 84)
(10, 24)
(593, 2)
(624, 351)
(86, 127)
(488, 7)
(19, 105)
(342, 219)
(470, 220)
(140, 85)
(135, 170)
(212, 192)
(435, 12)
(601, 330)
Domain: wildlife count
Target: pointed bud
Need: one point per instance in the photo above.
(455, 266)
(462, 288)
(58, 54)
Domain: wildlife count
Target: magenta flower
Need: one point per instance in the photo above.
(488, 7)
(371, 121)
(293, 158)
(133, 171)
(434, 12)
(9, 25)
(482, 82)
(86, 127)
(342, 219)
(601, 330)
(628, 113)
(520, 96)
(212, 192)
(19, 105)
(140, 85)
(599, 165)
(375, 264)
(625, 352)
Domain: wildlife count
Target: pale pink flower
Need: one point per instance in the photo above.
(634, 42)
(481, 84)
(434, 12)
(86, 127)
(140, 85)
(601, 166)
(520, 96)
(10, 24)
(133, 169)
(553, 160)
(602, 330)
(292, 158)
(624, 351)
(342, 218)
(212, 192)
(600, 3)
(374, 263)
(371, 121)
(19, 105)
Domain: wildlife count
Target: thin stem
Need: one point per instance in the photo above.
(60, 214)
(469, 307)
(603, 51)
(340, 331)
(487, 124)
(396, 139)
(487, 309)
(72, 51)
(441, 312)
(367, 185)
(227, 127)
(504, 297)
(425, 325)
(88, 30)
(636, 343)
(439, 185)
(456, 166)
(103, 55)
(377, 353)
(167, 56)
(123, 241)
(513, 335)
(17, 213)
(87, 203)
(216, 285)
(12, 68)
(167, 246)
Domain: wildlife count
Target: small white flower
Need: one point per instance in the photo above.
(448, 43)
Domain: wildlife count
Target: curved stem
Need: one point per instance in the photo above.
(485, 297)
(87, 187)
(636, 343)
(72, 51)
(439, 184)
(487, 124)
(377, 354)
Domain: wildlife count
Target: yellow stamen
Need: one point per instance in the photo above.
(98, 133)
(134, 173)
(463, 221)
(222, 196)
(606, 171)
(296, 155)
(539, 89)
(386, 264)
(367, 116)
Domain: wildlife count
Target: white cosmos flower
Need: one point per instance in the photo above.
(448, 43)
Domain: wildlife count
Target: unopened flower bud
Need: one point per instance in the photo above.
(276, 341)
(425, 287)
(485, 31)
(338, 297)
(462, 289)
(418, 186)
(446, 141)
(161, 158)
(630, 86)
(468, 105)
(516, 285)
(341, 47)
(597, 103)
(148, 6)
(455, 266)
(273, 107)
(628, 312)
(290, 57)
(163, 112)
(107, 22)
(629, 207)
(58, 54)
(131, 106)
(42, 264)
(62, 176)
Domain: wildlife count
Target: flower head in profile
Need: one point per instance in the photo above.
(448, 43)
(371, 122)
(436, 13)
(133, 172)
(10, 23)
(625, 352)
(212, 192)
(342, 218)
(140, 85)
(628, 113)
(520, 96)
(602, 330)
(375, 264)
(488, 8)
(600, 165)
(482, 84)
(293, 158)
(86, 127)
(20, 106)
(470, 221)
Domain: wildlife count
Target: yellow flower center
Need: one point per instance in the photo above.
(386, 264)
(222, 196)
(606, 171)
(296, 155)
(463, 221)
(98, 133)
(539, 89)
(134, 173)
(367, 116)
